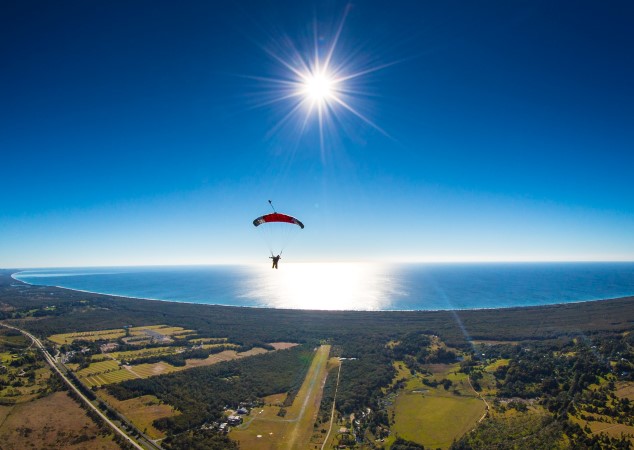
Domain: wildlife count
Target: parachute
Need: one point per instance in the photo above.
(277, 230)
(277, 217)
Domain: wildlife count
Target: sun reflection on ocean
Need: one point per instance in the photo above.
(328, 286)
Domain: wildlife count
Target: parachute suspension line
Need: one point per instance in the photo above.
(277, 230)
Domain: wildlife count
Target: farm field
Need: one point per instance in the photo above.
(150, 332)
(265, 429)
(131, 355)
(69, 338)
(115, 376)
(434, 416)
(115, 367)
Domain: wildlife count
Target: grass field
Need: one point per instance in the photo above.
(110, 371)
(114, 334)
(432, 416)
(98, 367)
(5, 357)
(149, 370)
(141, 411)
(265, 430)
(496, 364)
(164, 330)
(283, 345)
(39, 424)
(605, 423)
(68, 338)
(101, 379)
(625, 390)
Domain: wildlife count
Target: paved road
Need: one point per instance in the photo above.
(86, 400)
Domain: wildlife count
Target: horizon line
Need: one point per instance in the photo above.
(342, 261)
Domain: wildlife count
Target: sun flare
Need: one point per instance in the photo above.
(319, 87)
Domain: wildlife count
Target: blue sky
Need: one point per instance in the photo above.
(146, 132)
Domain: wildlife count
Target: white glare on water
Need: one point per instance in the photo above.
(326, 286)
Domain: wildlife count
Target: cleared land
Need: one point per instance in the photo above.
(69, 338)
(266, 430)
(625, 390)
(434, 416)
(40, 424)
(108, 372)
(118, 366)
(603, 423)
(141, 411)
(149, 332)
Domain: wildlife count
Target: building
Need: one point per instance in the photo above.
(234, 420)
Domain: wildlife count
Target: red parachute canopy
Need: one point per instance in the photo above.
(277, 217)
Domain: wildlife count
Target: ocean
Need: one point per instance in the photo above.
(354, 286)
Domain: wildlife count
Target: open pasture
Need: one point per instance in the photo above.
(149, 370)
(611, 429)
(625, 390)
(226, 355)
(497, 364)
(283, 345)
(141, 411)
(39, 424)
(434, 416)
(5, 357)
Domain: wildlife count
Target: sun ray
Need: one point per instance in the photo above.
(320, 85)
(361, 116)
(286, 118)
(336, 37)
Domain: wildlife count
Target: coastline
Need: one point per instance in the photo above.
(256, 307)
(62, 310)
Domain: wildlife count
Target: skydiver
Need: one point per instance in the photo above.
(275, 260)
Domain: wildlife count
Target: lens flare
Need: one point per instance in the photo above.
(321, 86)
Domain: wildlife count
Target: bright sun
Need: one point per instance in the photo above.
(318, 87)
